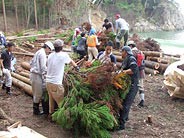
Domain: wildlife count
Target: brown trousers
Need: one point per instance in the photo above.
(56, 93)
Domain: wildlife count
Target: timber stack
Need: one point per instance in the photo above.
(155, 62)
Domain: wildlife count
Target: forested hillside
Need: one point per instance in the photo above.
(148, 14)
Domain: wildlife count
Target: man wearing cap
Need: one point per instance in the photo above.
(106, 56)
(55, 74)
(38, 70)
(122, 30)
(129, 66)
(140, 62)
(5, 61)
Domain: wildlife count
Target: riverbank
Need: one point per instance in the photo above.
(171, 42)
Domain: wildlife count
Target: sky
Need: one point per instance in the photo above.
(181, 3)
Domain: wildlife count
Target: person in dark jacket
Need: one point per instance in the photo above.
(107, 56)
(82, 46)
(129, 66)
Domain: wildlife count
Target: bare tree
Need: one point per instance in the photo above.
(16, 14)
(4, 16)
(35, 11)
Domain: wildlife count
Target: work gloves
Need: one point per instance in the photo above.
(77, 68)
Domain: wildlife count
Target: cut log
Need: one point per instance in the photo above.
(117, 53)
(25, 66)
(45, 39)
(151, 71)
(152, 54)
(22, 78)
(151, 64)
(23, 50)
(26, 87)
(25, 74)
(24, 54)
(150, 119)
(157, 59)
(29, 45)
(170, 55)
(119, 59)
(162, 68)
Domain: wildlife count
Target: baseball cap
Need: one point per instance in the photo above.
(127, 49)
(58, 43)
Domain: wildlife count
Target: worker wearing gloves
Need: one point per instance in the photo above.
(92, 42)
(55, 74)
(5, 61)
(38, 70)
(106, 56)
(141, 65)
(130, 67)
(122, 30)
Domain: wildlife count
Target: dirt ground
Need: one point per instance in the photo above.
(167, 114)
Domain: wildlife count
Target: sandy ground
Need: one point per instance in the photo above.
(167, 114)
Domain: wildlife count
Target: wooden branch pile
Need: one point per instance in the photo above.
(155, 62)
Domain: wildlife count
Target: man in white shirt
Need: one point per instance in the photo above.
(122, 30)
(38, 70)
(55, 73)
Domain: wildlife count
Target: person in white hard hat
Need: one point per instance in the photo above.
(38, 70)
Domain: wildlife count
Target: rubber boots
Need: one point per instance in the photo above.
(8, 90)
(36, 110)
(45, 106)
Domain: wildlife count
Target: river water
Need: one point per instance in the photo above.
(171, 42)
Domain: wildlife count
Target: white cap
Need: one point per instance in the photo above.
(50, 45)
(1, 33)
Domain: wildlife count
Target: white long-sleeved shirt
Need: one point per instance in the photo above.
(121, 24)
(38, 63)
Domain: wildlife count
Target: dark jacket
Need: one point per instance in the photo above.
(131, 63)
(82, 44)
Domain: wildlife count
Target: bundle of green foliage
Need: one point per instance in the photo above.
(91, 103)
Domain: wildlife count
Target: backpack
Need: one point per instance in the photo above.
(140, 60)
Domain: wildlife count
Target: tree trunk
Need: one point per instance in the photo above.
(27, 88)
(44, 14)
(4, 16)
(21, 78)
(151, 71)
(26, 66)
(162, 68)
(25, 74)
(151, 64)
(35, 11)
(153, 54)
(16, 15)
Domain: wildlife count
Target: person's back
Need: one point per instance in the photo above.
(91, 41)
(57, 62)
(122, 24)
(82, 44)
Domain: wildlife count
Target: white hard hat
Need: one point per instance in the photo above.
(50, 45)
(1, 33)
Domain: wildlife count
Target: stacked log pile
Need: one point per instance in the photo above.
(155, 62)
